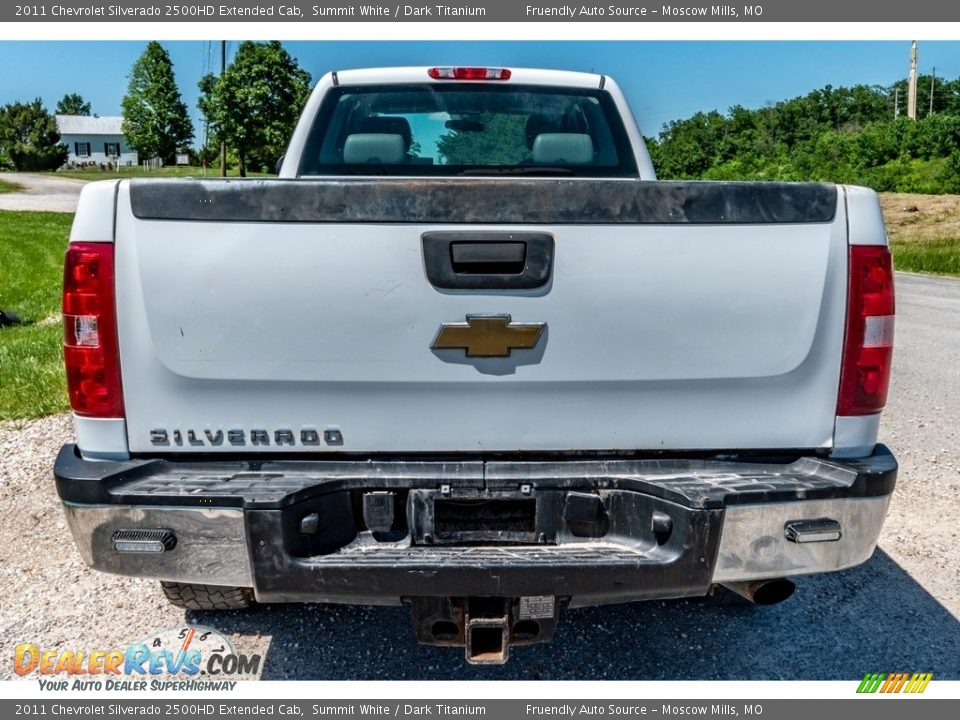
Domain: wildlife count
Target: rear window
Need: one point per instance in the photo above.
(459, 129)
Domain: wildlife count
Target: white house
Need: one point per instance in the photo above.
(96, 139)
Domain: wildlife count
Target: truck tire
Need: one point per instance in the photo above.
(207, 597)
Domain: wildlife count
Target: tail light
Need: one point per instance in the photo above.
(90, 348)
(868, 348)
(468, 73)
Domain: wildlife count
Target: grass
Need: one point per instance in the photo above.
(924, 232)
(31, 267)
(138, 171)
(33, 382)
(8, 187)
(940, 257)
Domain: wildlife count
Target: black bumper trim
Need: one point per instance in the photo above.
(476, 201)
(275, 484)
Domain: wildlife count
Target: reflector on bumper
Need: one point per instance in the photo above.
(805, 531)
(144, 541)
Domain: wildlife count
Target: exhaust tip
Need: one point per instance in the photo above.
(774, 592)
(763, 592)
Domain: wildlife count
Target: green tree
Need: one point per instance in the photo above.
(73, 104)
(155, 120)
(503, 141)
(253, 107)
(29, 137)
(688, 148)
(945, 97)
(839, 134)
(950, 174)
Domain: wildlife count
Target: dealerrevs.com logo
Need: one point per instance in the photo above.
(187, 657)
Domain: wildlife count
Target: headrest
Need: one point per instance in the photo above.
(387, 126)
(367, 148)
(563, 148)
(539, 124)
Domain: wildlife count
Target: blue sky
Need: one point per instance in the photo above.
(663, 80)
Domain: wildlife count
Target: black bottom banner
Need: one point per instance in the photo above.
(880, 708)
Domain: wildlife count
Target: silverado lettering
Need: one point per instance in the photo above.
(236, 436)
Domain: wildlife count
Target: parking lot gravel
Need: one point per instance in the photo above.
(900, 611)
(41, 193)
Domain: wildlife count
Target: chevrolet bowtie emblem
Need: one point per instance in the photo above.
(488, 336)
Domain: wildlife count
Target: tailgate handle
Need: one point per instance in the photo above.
(487, 260)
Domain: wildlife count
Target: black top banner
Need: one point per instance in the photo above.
(637, 11)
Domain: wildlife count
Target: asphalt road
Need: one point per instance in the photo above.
(41, 192)
(898, 612)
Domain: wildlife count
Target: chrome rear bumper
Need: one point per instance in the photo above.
(294, 531)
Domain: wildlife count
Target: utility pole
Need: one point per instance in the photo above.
(896, 103)
(912, 87)
(223, 145)
(932, 78)
(206, 121)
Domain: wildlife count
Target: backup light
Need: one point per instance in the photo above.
(85, 332)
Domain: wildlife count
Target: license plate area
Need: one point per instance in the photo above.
(473, 516)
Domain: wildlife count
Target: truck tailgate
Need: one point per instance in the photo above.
(299, 315)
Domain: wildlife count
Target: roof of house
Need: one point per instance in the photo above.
(90, 124)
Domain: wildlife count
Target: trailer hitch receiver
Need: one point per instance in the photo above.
(486, 627)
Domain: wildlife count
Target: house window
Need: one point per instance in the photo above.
(111, 149)
(81, 149)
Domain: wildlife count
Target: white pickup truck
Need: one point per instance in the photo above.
(468, 354)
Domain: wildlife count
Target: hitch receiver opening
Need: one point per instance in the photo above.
(487, 642)
(485, 627)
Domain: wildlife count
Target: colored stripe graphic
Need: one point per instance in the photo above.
(187, 640)
(919, 682)
(913, 684)
(894, 683)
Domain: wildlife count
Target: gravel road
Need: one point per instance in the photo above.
(898, 612)
(41, 192)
